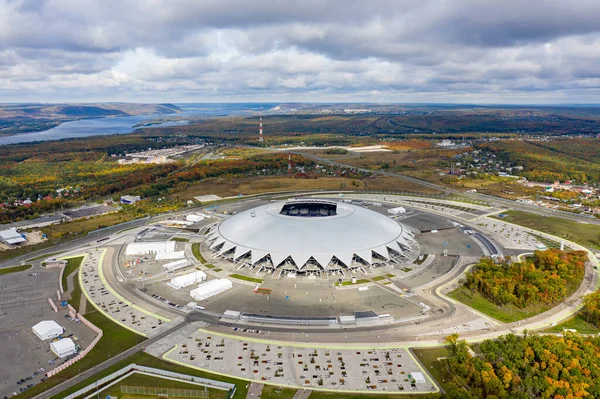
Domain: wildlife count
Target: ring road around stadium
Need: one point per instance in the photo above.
(352, 271)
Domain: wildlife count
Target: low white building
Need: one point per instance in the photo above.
(211, 288)
(146, 248)
(11, 237)
(47, 329)
(63, 348)
(178, 264)
(130, 199)
(186, 280)
(397, 211)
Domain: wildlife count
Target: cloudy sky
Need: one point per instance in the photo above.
(479, 51)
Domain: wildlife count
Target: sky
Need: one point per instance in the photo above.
(459, 51)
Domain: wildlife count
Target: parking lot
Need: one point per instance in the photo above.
(24, 303)
(336, 368)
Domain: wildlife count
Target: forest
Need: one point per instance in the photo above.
(547, 277)
(591, 308)
(529, 367)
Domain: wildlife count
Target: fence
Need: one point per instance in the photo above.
(168, 392)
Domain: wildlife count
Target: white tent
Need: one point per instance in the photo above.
(211, 288)
(63, 347)
(145, 248)
(170, 255)
(397, 211)
(172, 266)
(185, 280)
(194, 218)
(418, 377)
(47, 329)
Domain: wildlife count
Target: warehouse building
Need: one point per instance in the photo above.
(64, 347)
(186, 280)
(211, 288)
(11, 237)
(47, 329)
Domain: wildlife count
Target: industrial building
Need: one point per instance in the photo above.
(64, 347)
(47, 329)
(147, 248)
(211, 288)
(172, 266)
(11, 237)
(309, 235)
(186, 280)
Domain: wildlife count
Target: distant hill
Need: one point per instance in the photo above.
(22, 118)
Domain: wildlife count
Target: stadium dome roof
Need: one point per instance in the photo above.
(310, 234)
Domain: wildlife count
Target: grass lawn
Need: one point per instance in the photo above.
(72, 265)
(582, 233)
(272, 392)
(209, 266)
(361, 281)
(217, 270)
(197, 254)
(85, 225)
(574, 323)
(144, 359)
(389, 275)
(14, 269)
(429, 360)
(246, 278)
(140, 380)
(340, 395)
(406, 269)
(378, 278)
(180, 239)
(506, 314)
(420, 262)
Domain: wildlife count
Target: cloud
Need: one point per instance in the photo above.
(314, 50)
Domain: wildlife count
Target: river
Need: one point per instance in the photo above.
(125, 124)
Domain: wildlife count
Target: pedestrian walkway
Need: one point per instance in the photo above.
(302, 394)
(254, 390)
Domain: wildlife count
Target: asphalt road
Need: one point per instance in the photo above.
(106, 364)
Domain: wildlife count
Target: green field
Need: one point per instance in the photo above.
(584, 234)
(272, 392)
(246, 278)
(420, 262)
(574, 323)
(72, 265)
(180, 239)
(140, 380)
(361, 281)
(506, 314)
(14, 269)
(429, 360)
(144, 359)
(197, 254)
(378, 278)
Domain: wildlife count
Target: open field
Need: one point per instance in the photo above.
(14, 269)
(429, 360)
(584, 234)
(197, 254)
(507, 314)
(272, 392)
(256, 185)
(575, 323)
(85, 225)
